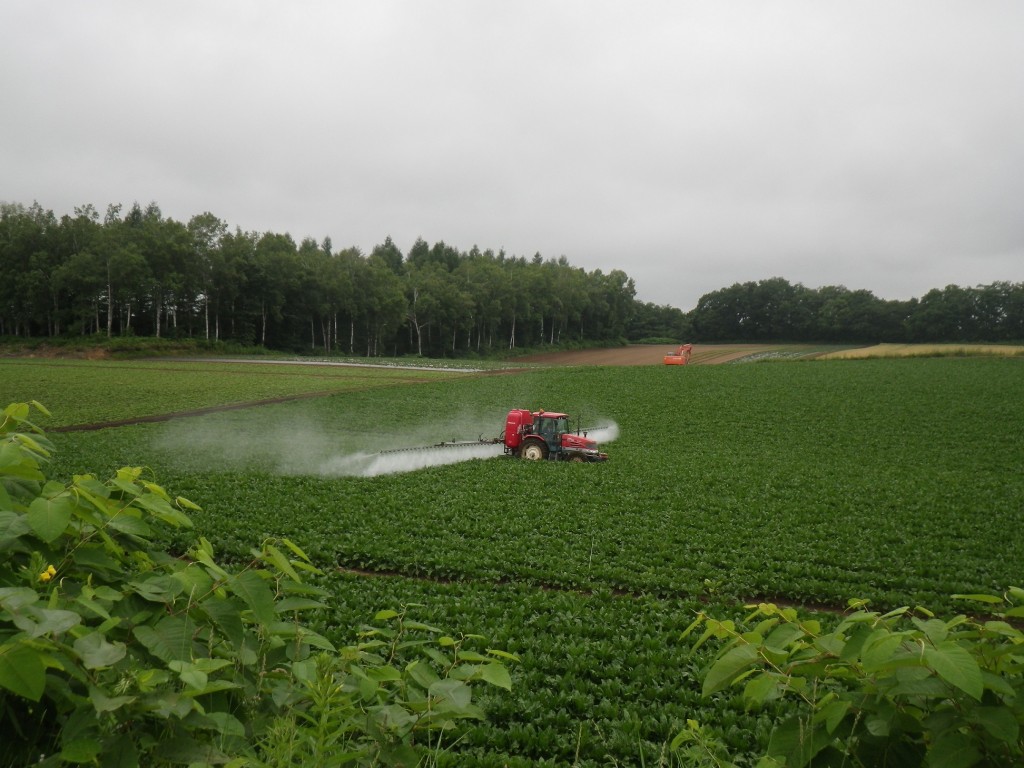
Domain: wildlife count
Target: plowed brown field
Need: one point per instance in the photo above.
(643, 354)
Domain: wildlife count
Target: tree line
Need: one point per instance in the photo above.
(137, 272)
(776, 310)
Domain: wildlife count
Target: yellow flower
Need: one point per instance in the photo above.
(48, 574)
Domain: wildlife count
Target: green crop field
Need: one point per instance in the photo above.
(900, 481)
(90, 392)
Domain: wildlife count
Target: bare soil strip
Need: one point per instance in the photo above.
(649, 354)
(324, 363)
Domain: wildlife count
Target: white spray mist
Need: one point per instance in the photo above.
(293, 449)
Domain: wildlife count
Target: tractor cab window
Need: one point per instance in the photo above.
(546, 425)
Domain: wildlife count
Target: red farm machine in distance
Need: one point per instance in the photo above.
(541, 435)
(681, 356)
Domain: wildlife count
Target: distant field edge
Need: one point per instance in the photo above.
(702, 354)
(717, 354)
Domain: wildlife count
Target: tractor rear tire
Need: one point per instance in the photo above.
(534, 451)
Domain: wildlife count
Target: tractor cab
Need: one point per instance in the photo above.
(551, 427)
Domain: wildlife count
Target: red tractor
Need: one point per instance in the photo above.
(546, 435)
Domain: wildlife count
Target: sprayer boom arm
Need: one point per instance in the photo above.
(447, 444)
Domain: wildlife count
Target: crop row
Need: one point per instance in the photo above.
(600, 677)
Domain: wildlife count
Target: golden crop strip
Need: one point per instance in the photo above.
(925, 350)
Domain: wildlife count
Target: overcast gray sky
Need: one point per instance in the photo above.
(876, 145)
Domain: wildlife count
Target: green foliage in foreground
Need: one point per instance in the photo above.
(115, 652)
(603, 678)
(901, 688)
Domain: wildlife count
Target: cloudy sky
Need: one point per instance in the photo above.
(876, 144)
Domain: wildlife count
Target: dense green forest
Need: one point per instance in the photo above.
(144, 274)
(141, 273)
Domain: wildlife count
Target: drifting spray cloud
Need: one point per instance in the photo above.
(605, 432)
(294, 449)
(396, 462)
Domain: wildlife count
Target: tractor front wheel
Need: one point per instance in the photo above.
(534, 452)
